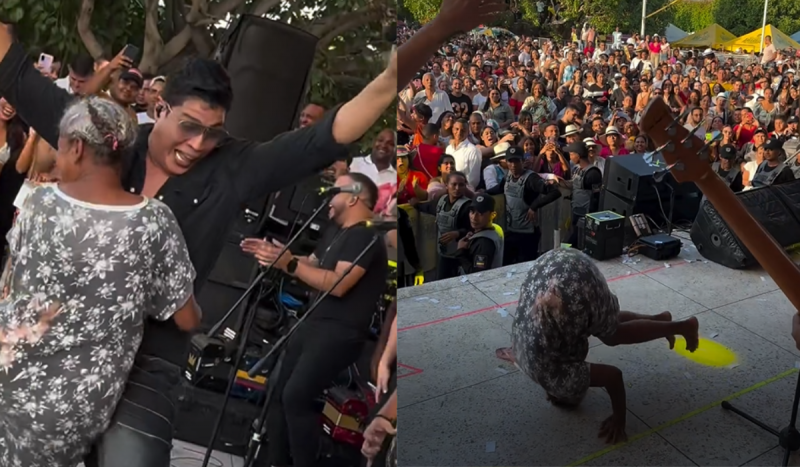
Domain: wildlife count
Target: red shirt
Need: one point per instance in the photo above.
(427, 160)
(745, 136)
(406, 192)
(605, 153)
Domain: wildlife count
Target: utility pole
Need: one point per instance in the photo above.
(644, 15)
(763, 26)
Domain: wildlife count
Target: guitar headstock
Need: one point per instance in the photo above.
(686, 154)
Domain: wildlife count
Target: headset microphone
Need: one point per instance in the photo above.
(354, 189)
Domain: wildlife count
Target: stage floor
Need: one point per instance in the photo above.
(189, 455)
(461, 406)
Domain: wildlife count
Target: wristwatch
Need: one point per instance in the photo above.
(292, 266)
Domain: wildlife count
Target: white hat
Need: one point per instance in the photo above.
(708, 52)
(590, 142)
(722, 95)
(571, 130)
(500, 150)
(612, 130)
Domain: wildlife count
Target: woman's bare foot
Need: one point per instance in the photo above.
(666, 316)
(506, 354)
(691, 333)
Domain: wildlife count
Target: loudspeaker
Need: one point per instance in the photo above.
(268, 87)
(777, 208)
(629, 187)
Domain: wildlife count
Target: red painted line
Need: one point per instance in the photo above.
(489, 308)
(413, 371)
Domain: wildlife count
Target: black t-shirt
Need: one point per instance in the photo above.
(736, 184)
(479, 256)
(355, 309)
(592, 180)
(462, 105)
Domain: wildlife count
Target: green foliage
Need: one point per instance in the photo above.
(743, 16)
(693, 16)
(50, 25)
(422, 10)
(352, 50)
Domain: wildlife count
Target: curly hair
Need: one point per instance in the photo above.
(102, 125)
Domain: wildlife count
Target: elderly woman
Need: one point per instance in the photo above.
(90, 261)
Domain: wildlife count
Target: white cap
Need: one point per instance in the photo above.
(612, 130)
(590, 142)
(708, 52)
(500, 150)
(722, 95)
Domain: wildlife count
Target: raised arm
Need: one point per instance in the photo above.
(294, 156)
(39, 102)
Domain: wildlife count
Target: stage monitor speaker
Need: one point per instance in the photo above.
(631, 181)
(268, 84)
(776, 208)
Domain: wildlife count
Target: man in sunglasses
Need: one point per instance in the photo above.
(186, 160)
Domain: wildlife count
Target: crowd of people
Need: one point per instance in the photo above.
(118, 190)
(537, 119)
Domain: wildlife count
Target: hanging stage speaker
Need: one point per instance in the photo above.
(777, 208)
(269, 84)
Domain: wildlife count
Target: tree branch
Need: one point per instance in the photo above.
(340, 24)
(175, 46)
(348, 80)
(85, 29)
(262, 7)
(220, 10)
(153, 43)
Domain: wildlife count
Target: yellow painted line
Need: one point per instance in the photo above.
(682, 418)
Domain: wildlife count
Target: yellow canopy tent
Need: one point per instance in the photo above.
(752, 42)
(712, 36)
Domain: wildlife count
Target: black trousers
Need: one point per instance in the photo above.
(521, 247)
(140, 434)
(573, 236)
(446, 267)
(313, 358)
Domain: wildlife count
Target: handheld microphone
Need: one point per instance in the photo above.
(382, 226)
(354, 189)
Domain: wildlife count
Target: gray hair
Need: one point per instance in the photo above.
(102, 125)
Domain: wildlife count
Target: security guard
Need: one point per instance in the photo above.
(452, 223)
(727, 169)
(772, 171)
(587, 180)
(482, 248)
(525, 192)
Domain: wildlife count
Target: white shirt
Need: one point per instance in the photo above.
(468, 161)
(63, 83)
(144, 118)
(478, 101)
(364, 165)
(524, 58)
(750, 167)
(490, 175)
(439, 104)
(700, 132)
(617, 39)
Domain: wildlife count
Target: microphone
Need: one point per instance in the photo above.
(382, 226)
(354, 189)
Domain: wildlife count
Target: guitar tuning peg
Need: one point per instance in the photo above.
(676, 121)
(691, 133)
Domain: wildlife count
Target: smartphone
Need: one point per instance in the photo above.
(132, 52)
(46, 63)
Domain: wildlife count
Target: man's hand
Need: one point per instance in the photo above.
(613, 429)
(120, 61)
(531, 216)
(448, 238)
(463, 244)
(382, 380)
(267, 253)
(374, 435)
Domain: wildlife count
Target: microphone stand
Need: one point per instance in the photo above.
(254, 446)
(244, 329)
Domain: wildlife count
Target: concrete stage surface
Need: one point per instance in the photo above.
(461, 406)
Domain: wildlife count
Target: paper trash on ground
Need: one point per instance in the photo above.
(490, 446)
(433, 300)
(457, 307)
(509, 275)
(419, 299)
(502, 312)
(464, 279)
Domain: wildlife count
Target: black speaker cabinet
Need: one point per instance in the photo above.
(776, 208)
(266, 99)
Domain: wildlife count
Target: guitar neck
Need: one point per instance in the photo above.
(772, 257)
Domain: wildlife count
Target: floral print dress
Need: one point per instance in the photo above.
(563, 300)
(83, 280)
